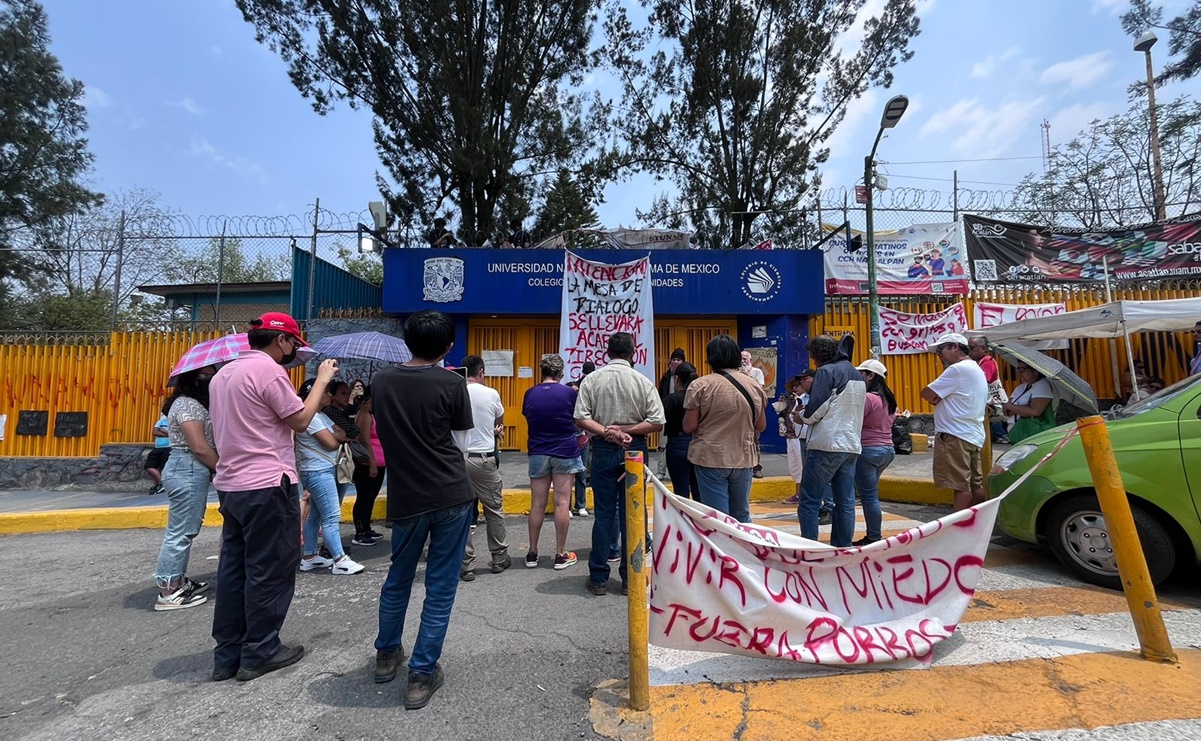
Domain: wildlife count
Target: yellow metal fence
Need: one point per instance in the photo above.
(1166, 354)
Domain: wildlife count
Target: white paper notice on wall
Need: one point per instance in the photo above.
(3, 424)
(498, 363)
(524, 371)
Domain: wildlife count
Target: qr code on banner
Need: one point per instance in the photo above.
(985, 269)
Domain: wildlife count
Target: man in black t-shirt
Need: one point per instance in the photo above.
(417, 407)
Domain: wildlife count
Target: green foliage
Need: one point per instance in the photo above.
(1184, 44)
(227, 259)
(366, 265)
(71, 311)
(470, 97)
(43, 153)
(567, 206)
(733, 99)
(1102, 177)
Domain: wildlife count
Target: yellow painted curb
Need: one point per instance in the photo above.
(515, 502)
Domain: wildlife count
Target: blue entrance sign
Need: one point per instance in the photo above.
(493, 281)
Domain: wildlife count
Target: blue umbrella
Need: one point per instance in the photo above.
(365, 346)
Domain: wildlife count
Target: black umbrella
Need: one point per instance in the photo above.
(1071, 387)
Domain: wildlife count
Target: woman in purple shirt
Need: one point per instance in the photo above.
(879, 411)
(549, 410)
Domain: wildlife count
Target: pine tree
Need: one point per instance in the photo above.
(566, 207)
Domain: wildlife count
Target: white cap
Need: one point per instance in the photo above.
(873, 366)
(950, 338)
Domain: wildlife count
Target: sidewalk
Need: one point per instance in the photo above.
(907, 480)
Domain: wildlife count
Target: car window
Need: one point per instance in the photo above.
(1159, 399)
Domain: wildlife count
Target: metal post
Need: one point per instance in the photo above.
(1113, 344)
(1161, 211)
(313, 261)
(986, 450)
(954, 195)
(220, 278)
(117, 277)
(638, 611)
(873, 293)
(1119, 521)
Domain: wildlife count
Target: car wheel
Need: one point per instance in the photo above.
(1079, 538)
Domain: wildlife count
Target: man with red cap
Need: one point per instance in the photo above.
(255, 410)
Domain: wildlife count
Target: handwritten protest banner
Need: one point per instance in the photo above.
(600, 299)
(727, 587)
(908, 334)
(990, 315)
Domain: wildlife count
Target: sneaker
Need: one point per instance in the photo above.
(1002, 441)
(347, 565)
(285, 656)
(422, 687)
(363, 539)
(531, 560)
(564, 560)
(599, 590)
(316, 562)
(197, 586)
(614, 557)
(825, 517)
(156, 490)
(625, 589)
(794, 499)
(222, 673)
(757, 473)
(467, 575)
(582, 512)
(386, 663)
(570, 515)
(376, 535)
(180, 599)
(863, 541)
(499, 566)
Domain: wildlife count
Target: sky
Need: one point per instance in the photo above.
(182, 100)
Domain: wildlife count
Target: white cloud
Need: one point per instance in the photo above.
(980, 131)
(215, 51)
(1070, 121)
(1080, 72)
(94, 97)
(204, 149)
(189, 104)
(990, 65)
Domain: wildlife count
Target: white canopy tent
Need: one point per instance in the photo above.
(1116, 319)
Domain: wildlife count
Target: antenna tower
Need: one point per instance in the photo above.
(1046, 127)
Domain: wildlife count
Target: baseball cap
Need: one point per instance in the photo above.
(873, 366)
(950, 338)
(807, 373)
(279, 322)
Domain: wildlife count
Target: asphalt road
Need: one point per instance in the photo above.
(86, 657)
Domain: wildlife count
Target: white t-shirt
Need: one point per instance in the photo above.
(486, 407)
(1023, 395)
(311, 455)
(964, 394)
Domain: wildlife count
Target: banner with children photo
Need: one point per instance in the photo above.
(917, 259)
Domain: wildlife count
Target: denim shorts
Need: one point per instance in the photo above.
(545, 465)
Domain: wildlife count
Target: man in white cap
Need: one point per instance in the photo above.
(959, 397)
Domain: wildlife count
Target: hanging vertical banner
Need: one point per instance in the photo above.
(909, 334)
(600, 299)
(921, 258)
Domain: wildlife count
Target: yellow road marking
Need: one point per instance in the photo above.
(1079, 691)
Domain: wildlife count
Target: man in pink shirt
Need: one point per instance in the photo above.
(255, 410)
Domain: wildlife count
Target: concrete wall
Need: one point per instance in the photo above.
(117, 468)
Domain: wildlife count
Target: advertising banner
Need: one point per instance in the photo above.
(600, 299)
(1020, 253)
(922, 258)
(909, 334)
(990, 315)
(723, 586)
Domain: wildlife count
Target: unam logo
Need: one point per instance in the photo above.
(760, 281)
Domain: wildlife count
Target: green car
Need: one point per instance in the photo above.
(1157, 442)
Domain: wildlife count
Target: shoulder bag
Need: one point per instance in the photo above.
(745, 395)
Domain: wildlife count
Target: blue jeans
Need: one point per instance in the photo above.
(581, 479)
(827, 493)
(325, 512)
(726, 490)
(823, 468)
(609, 506)
(681, 470)
(447, 530)
(868, 469)
(187, 483)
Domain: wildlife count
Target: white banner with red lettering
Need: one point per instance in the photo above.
(727, 587)
(990, 315)
(902, 333)
(600, 299)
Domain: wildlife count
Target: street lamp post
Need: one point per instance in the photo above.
(893, 110)
(1144, 44)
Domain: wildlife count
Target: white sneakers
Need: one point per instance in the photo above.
(344, 565)
(583, 512)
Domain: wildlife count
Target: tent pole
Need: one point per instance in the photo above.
(1113, 344)
(1130, 359)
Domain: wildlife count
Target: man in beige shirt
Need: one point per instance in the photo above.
(618, 407)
